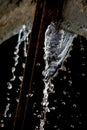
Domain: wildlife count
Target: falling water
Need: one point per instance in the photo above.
(22, 39)
(57, 46)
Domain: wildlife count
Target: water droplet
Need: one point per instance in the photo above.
(55, 126)
(38, 64)
(16, 51)
(55, 101)
(69, 71)
(17, 100)
(21, 78)
(77, 116)
(72, 126)
(36, 128)
(9, 85)
(39, 116)
(45, 102)
(74, 105)
(23, 65)
(80, 122)
(15, 64)
(34, 114)
(63, 103)
(9, 115)
(77, 94)
(8, 94)
(1, 121)
(83, 57)
(8, 99)
(52, 108)
(25, 54)
(83, 64)
(51, 88)
(64, 77)
(1, 124)
(42, 122)
(13, 69)
(64, 92)
(37, 111)
(63, 68)
(27, 95)
(6, 110)
(58, 116)
(83, 74)
(68, 96)
(30, 94)
(17, 91)
(70, 82)
(16, 58)
(34, 105)
(14, 77)
(82, 49)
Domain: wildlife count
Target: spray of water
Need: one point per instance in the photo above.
(57, 46)
(22, 39)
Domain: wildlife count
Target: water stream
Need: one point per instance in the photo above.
(57, 45)
(61, 81)
(22, 41)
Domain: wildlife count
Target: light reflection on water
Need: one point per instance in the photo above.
(57, 46)
(66, 101)
(22, 39)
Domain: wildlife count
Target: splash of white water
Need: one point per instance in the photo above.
(57, 46)
(22, 38)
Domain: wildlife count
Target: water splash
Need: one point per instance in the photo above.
(22, 39)
(57, 46)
